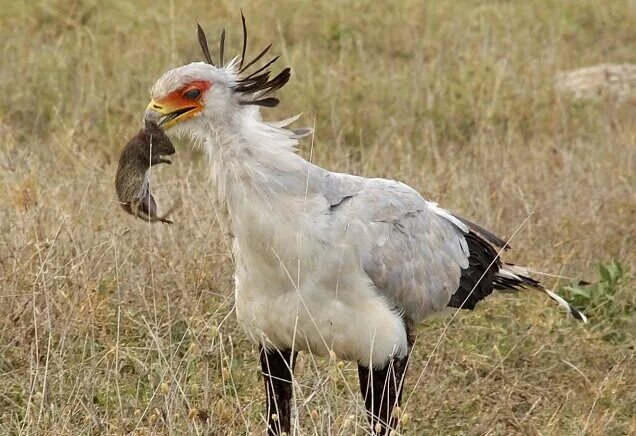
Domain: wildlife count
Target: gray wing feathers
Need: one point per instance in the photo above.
(417, 265)
(410, 249)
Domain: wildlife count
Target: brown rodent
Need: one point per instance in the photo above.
(147, 148)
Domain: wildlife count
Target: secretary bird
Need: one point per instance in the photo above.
(325, 262)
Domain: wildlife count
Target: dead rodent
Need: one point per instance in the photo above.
(148, 147)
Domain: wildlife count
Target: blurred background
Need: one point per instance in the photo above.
(111, 325)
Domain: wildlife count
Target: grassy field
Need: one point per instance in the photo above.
(112, 326)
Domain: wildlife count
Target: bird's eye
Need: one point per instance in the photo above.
(192, 94)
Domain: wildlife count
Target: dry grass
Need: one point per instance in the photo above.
(108, 325)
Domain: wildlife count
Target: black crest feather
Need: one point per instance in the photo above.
(265, 102)
(222, 49)
(254, 87)
(203, 42)
(244, 41)
(253, 61)
(261, 68)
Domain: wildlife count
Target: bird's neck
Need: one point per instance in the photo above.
(256, 169)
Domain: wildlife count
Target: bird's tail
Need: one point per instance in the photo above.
(513, 277)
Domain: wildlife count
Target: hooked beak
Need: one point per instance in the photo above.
(167, 113)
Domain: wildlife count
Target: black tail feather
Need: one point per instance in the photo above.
(486, 272)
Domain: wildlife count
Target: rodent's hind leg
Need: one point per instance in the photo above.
(164, 218)
(139, 209)
(147, 204)
(145, 208)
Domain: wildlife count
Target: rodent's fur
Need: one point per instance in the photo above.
(147, 148)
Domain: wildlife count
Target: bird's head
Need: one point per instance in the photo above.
(191, 98)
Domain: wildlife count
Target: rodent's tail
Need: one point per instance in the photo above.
(513, 277)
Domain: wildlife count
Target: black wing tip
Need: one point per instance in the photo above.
(487, 235)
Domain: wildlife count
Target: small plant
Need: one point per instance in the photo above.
(607, 302)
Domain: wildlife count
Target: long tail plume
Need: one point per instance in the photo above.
(513, 277)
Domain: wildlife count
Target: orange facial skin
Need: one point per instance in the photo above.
(180, 105)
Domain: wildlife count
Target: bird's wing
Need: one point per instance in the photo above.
(413, 251)
(420, 257)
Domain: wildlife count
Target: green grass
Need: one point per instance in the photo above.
(109, 325)
(609, 301)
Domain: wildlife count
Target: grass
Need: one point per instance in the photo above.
(109, 325)
(610, 304)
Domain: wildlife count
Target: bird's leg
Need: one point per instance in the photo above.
(382, 392)
(278, 368)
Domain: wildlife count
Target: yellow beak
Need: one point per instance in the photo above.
(169, 112)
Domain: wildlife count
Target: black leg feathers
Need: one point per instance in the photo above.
(278, 368)
(382, 392)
